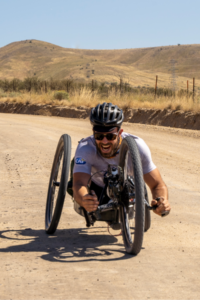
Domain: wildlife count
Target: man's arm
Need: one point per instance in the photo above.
(80, 192)
(158, 189)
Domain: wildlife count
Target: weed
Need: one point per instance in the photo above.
(169, 106)
(178, 107)
(60, 95)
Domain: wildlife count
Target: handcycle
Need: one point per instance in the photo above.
(128, 207)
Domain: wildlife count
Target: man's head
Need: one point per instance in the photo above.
(107, 119)
(108, 142)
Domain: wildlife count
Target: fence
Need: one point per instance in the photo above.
(33, 84)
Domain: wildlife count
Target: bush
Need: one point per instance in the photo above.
(60, 95)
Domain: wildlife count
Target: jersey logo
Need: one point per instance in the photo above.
(80, 161)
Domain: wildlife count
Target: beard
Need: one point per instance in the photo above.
(113, 149)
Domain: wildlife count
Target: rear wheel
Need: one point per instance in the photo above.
(132, 215)
(58, 184)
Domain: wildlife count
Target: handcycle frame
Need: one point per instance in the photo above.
(127, 191)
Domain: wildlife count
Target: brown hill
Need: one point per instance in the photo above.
(135, 66)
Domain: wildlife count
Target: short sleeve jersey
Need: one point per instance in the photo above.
(89, 160)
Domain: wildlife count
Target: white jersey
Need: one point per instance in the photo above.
(89, 160)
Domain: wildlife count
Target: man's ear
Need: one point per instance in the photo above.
(120, 132)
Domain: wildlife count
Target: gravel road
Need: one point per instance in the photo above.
(81, 263)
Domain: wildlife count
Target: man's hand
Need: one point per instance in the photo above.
(90, 202)
(80, 190)
(163, 205)
(158, 190)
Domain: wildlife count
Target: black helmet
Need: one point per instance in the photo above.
(106, 115)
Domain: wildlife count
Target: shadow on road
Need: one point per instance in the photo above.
(67, 245)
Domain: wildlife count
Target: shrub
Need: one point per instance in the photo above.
(60, 95)
(178, 107)
(169, 106)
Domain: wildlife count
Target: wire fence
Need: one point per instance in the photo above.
(189, 88)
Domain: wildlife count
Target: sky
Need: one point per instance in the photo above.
(101, 24)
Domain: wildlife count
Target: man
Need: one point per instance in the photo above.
(95, 152)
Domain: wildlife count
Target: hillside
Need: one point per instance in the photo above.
(135, 66)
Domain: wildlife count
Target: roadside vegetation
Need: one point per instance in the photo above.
(70, 93)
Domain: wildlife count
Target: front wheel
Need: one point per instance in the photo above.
(147, 223)
(132, 215)
(58, 184)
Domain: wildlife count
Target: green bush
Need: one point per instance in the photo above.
(60, 95)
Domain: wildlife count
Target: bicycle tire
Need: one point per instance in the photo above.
(133, 239)
(59, 171)
(147, 222)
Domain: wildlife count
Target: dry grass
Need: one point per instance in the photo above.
(88, 99)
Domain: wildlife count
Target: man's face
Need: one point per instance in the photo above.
(108, 148)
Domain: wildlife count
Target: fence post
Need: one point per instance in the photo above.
(92, 85)
(120, 85)
(45, 86)
(156, 85)
(187, 87)
(193, 88)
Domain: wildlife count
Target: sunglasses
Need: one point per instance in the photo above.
(109, 136)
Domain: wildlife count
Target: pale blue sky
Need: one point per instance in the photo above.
(100, 24)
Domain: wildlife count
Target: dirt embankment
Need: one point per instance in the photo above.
(165, 117)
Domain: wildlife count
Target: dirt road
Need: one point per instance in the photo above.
(80, 263)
